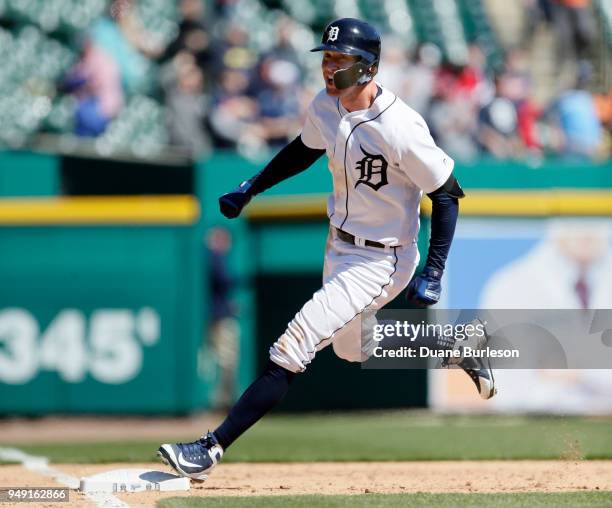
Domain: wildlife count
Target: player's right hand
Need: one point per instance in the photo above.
(232, 203)
(424, 290)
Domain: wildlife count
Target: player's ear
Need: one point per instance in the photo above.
(373, 70)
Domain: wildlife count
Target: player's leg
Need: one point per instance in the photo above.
(351, 283)
(197, 459)
(354, 342)
(263, 394)
(355, 280)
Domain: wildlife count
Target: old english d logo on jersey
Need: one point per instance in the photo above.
(372, 170)
(332, 35)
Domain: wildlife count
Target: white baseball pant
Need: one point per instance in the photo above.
(355, 279)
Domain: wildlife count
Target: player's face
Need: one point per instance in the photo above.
(332, 62)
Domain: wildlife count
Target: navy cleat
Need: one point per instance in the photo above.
(478, 368)
(193, 460)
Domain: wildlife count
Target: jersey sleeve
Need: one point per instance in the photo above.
(427, 165)
(311, 135)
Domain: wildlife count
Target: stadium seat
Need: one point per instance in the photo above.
(54, 15)
(478, 28)
(32, 63)
(159, 17)
(426, 22)
(139, 129)
(372, 11)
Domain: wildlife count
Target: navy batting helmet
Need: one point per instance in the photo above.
(352, 37)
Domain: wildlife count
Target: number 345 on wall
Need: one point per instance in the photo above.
(111, 352)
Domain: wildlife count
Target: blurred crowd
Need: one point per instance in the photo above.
(221, 90)
(473, 113)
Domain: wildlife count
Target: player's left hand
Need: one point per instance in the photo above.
(232, 203)
(424, 290)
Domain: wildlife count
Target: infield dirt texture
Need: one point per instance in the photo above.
(342, 460)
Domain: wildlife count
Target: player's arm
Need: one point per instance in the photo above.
(425, 289)
(291, 160)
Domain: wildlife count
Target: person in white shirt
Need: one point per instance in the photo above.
(382, 159)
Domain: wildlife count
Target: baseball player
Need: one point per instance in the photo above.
(382, 159)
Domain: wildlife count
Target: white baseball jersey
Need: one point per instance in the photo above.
(381, 159)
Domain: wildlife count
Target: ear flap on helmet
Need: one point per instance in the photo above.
(357, 74)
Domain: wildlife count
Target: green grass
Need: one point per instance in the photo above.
(379, 436)
(531, 500)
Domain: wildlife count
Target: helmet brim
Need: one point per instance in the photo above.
(324, 47)
(340, 48)
(346, 50)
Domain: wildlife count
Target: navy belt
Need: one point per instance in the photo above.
(348, 238)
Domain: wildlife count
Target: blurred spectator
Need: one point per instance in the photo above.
(126, 41)
(518, 89)
(224, 331)
(187, 105)
(466, 82)
(575, 29)
(219, 280)
(420, 77)
(394, 74)
(277, 98)
(473, 82)
(452, 120)
(537, 12)
(528, 115)
(192, 34)
(603, 104)
(234, 113)
(575, 114)
(125, 14)
(233, 51)
(284, 47)
(132, 65)
(96, 84)
(498, 120)
(460, 91)
(226, 9)
(227, 84)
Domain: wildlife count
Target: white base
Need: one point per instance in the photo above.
(133, 480)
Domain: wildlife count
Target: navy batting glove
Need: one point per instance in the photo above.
(424, 290)
(232, 203)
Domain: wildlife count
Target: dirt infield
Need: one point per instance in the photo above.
(354, 478)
